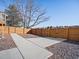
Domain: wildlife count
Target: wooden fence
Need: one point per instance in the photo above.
(18, 30)
(67, 33)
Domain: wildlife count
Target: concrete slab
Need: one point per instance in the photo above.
(30, 50)
(44, 42)
(10, 54)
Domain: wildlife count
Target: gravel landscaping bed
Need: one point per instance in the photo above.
(65, 50)
(6, 43)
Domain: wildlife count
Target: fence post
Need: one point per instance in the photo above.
(67, 33)
(42, 32)
(23, 30)
(8, 29)
(14, 29)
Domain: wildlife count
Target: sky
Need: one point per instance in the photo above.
(61, 12)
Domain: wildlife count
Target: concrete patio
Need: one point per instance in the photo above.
(43, 41)
(10, 54)
(30, 50)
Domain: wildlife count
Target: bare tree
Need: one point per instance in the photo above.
(31, 14)
(13, 18)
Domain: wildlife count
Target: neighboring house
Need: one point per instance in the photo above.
(3, 17)
(6, 20)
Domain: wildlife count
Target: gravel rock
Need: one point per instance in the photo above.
(65, 50)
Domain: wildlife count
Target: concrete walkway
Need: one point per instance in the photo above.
(44, 42)
(10, 54)
(30, 50)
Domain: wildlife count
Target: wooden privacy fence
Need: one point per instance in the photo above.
(18, 30)
(67, 33)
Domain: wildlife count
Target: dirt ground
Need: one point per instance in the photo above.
(6, 42)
